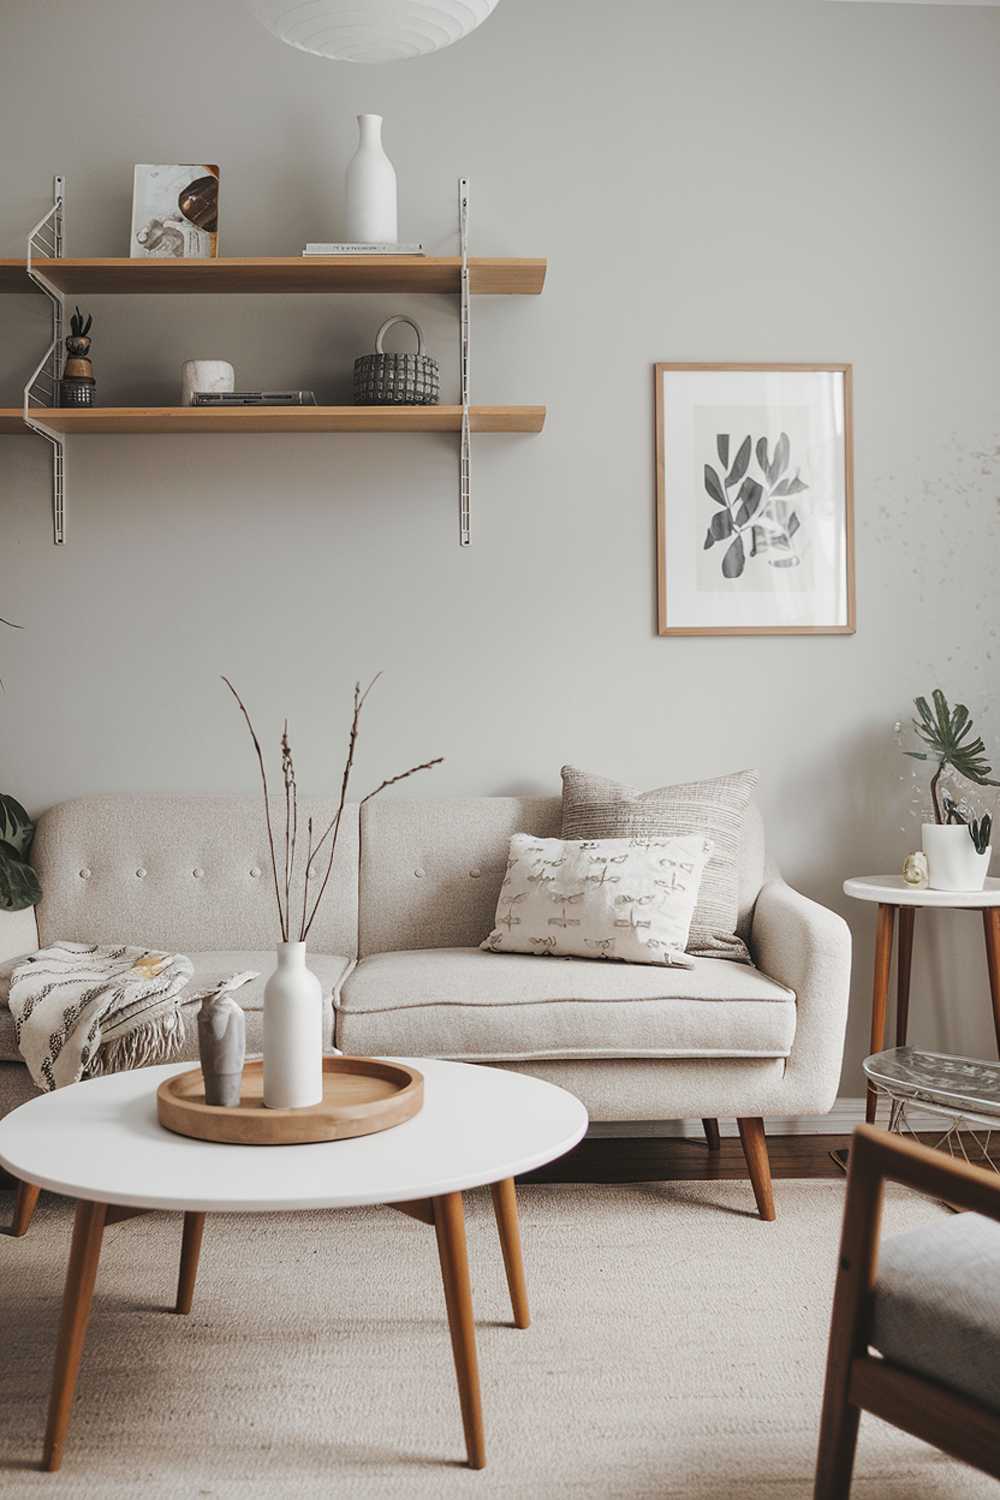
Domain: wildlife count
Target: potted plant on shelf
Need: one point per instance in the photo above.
(293, 998)
(957, 844)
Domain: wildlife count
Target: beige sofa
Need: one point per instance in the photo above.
(396, 948)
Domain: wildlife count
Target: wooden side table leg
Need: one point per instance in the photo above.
(194, 1228)
(904, 964)
(880, 992)
(991, 928)
(505, 1209)
(449, 1224)
(85, 1252)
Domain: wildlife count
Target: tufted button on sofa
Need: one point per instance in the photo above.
(396, 949)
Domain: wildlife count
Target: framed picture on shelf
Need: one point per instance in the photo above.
(754, 511)
(175, 212)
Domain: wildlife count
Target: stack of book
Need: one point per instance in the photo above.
(375, 248)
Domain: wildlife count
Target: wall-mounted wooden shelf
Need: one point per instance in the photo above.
(81, 420)
(346, 273)
(49, 271)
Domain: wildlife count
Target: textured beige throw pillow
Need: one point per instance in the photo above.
(596, 808)
(627, 899)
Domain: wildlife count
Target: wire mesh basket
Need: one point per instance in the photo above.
(382, 379)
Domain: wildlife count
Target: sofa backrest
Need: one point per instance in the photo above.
(192, 872)
(180, 872)
(431, 871)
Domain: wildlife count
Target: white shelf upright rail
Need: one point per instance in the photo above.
(465, 456)
(42, 389)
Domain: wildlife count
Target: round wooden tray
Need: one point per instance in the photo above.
(361, 1095)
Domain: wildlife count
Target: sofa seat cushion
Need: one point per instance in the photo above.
(209, 968)
(467, 1004)
(936, 1308)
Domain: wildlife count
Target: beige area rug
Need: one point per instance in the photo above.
(677, 1351)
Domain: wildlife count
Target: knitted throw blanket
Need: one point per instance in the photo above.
(81, 1009)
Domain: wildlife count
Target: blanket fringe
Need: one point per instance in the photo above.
(156, 1041)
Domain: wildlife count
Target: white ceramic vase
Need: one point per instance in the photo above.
(953, 864)
(371, 188)
(293, 1032)
(205, 375)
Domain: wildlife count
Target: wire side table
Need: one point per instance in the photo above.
(964, 1092)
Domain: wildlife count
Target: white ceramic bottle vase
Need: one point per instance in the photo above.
(293, 1032)
(371, 188)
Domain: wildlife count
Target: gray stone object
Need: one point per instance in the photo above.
(222, 1046)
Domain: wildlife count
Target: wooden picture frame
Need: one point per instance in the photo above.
(692, 598)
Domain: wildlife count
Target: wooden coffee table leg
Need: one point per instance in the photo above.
(449, 1224)
(508, 1226)
(505, 1209)
(85, 1252)
(194, 1228)
(880, 993)
(24, 1207)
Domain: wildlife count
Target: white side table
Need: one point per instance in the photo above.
(101, 1143)
(892, 895)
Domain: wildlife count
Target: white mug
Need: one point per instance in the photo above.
(205, 375)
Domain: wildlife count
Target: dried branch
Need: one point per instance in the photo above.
(267, 806)
(305, 882)
(334, 824)
(291, 819)
(391, 780)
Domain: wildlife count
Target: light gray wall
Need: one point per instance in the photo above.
(781, 179)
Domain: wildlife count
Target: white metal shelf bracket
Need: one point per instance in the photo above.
(42, 390)
(465, 321)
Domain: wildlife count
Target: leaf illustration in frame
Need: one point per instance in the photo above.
(719, 528)
(713, 485)
(740, 463)
(750, 496)
(735, 559)
(793, 524)
(780, 461)
(722, 448)
(762, 454)
(783, 562)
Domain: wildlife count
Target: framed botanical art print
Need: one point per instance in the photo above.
(754, 499)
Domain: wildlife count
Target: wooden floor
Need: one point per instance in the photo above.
(677, 1159)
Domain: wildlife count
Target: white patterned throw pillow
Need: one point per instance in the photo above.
(628, 899)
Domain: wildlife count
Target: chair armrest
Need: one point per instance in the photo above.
(18, 933)
(808, 948)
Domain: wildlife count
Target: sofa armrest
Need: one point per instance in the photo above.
(18, 933)
(808, 948)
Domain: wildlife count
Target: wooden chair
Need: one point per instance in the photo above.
(858, 1379)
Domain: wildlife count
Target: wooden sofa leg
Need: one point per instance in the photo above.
(24, 1207)
(711, 1128)
(755, 1151)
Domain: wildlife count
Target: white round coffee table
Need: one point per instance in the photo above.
(101, 1143)
(892, 894)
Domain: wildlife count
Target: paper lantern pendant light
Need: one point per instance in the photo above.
(371, 31)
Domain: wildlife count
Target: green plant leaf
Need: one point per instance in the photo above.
(740, 463)
(16, 828)
(713, 485)
(18, 884)
(722, 448)
(719, 528)
(735, 559)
